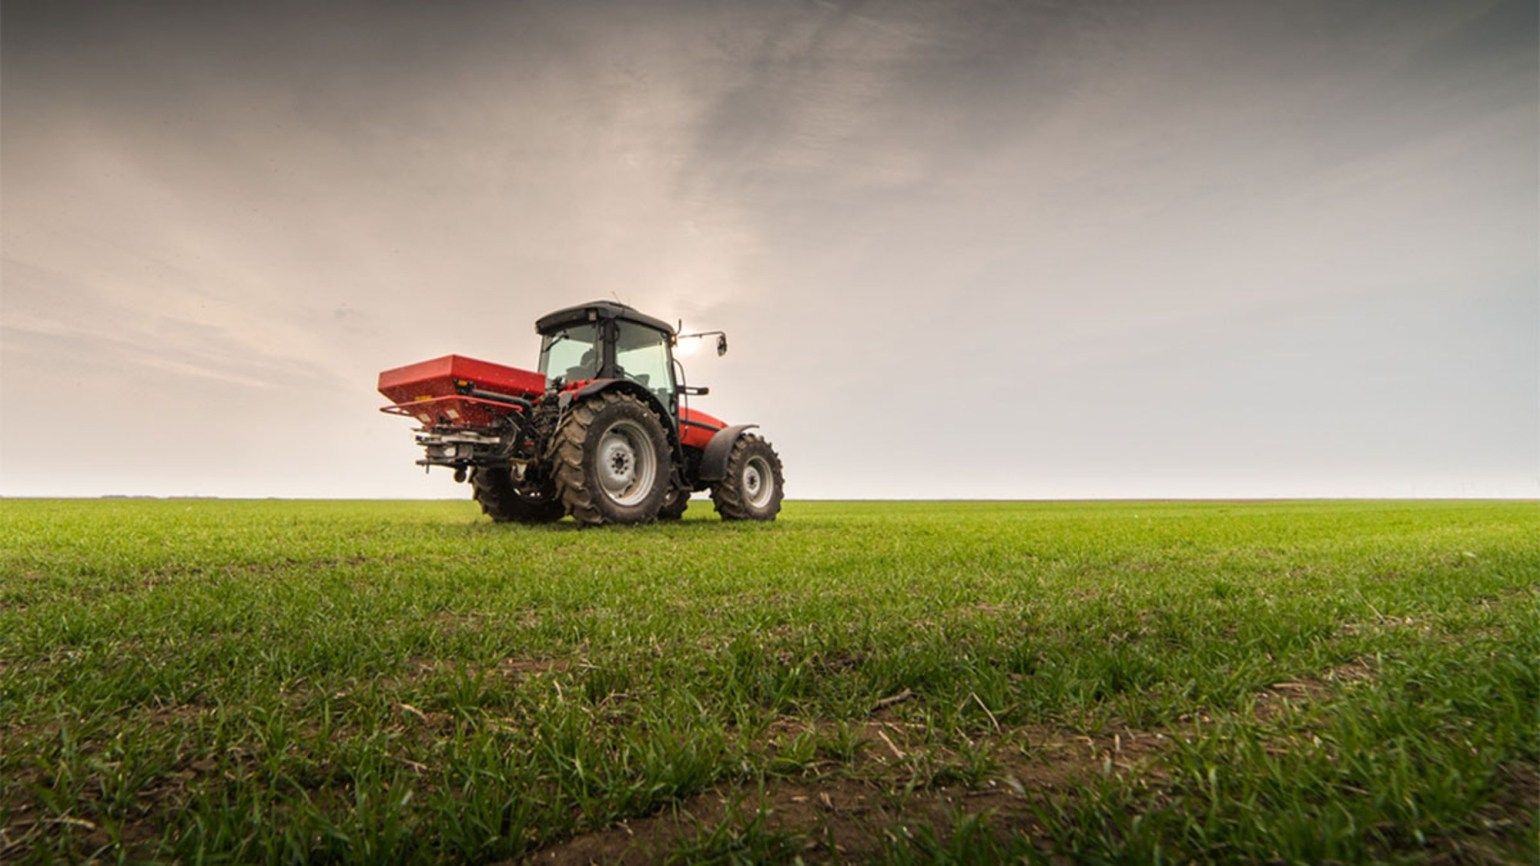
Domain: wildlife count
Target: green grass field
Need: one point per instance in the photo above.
(214, 681)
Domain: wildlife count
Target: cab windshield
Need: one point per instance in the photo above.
(571, 354)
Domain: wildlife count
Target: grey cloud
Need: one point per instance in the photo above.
(1104, 248)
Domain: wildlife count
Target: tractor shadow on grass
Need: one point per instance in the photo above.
(689, 526)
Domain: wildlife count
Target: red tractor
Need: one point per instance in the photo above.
(602, 432)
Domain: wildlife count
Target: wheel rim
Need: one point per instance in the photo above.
(627, 463)
(758, 482)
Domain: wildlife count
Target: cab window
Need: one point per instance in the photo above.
(571, 354)
(641, 355)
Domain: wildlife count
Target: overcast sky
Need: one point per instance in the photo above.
(962, 250)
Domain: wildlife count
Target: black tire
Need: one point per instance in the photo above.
(674, 505)
(501, 500)
(754, 485)
(625, 429)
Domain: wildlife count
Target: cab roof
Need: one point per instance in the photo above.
(594, 311)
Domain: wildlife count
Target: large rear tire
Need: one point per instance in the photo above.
(753, 486)
(611, 462)
(501, 500)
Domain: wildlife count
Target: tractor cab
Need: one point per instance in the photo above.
(608, 340)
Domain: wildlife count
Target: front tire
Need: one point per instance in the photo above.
(753, 486)
(611, 461)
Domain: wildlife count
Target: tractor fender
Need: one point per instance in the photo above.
(626, 386)
(713, 461)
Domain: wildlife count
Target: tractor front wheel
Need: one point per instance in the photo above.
(503, 501)
(752, 487)
(611, 461)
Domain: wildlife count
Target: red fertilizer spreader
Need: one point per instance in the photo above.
(456, 391)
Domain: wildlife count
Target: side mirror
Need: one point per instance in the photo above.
(721, 344)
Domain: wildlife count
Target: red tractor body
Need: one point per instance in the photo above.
(601, 432)
(696, 428)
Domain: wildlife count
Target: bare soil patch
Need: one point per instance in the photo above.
(853, 810)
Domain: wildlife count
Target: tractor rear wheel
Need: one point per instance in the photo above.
(503, 501)
(611, 461)
(674, 505)
(752, 487)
